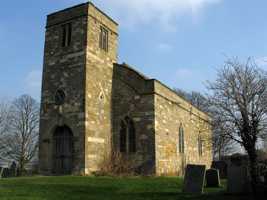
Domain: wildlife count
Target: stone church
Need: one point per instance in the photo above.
(92, 106)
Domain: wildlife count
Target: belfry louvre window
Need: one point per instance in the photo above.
(181, 139)
(103, 39)
(66, 35)
(127, 136)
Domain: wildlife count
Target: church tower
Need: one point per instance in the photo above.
(75, 123)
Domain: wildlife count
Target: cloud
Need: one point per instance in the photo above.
(164, 47)
(33, 83)
(183, 73)
(165, 12)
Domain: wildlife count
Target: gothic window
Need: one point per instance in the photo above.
(131, 135)
(60, 97)
(66, 34)
(123, 136)
(200, 146)
(127, 136)
(181, 139)
(103, 39)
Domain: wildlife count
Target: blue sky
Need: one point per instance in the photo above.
(179, 42)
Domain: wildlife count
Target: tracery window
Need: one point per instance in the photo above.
(127, 136)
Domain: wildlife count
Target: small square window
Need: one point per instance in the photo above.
(103, 39)
(66, 35)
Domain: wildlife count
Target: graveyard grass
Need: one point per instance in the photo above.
(101, 188)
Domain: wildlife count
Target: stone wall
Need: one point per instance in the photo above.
(132, 97)
(64, 68)
(171, 112)
(99, 73)
(100, 93)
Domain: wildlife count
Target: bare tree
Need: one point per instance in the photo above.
(3, 116)
(239, 98)
(19, 142)
(195, 98)
(221, 145)
(3, 124)
(182, 93)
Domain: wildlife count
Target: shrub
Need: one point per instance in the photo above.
(116, 164)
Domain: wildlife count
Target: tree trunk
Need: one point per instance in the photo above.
(21, 167)
(253, 169)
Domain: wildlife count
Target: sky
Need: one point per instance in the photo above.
(179, 42)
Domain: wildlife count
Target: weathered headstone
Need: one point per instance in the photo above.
(13, 170)
(194, 179)
(221, 166)
(238, 179)
(1, 172)
(212, 178)
(4, 172)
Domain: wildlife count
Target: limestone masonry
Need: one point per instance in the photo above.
(92, 106)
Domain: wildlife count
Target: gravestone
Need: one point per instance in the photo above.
(194, 179)
(221, 166)
(212, 178)
(1, 172)
(13, 170)
(238, 179)
(4, 172)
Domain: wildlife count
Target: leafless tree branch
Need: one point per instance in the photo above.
(238, 98)
(19, 141)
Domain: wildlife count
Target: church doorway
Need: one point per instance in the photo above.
(62, 150)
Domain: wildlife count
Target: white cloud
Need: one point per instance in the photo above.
(165, 12)
(183, 73)
(33, 83)
(164, 47)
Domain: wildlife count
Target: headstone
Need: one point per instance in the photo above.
(221, 166)
(1, 172)
(212, 178)
(13, 170)
(194, 179)
(238, 179)
(4, 172)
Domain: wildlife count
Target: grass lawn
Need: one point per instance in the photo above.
(101, 188)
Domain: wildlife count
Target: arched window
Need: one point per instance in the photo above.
(131, 136)
(123, 136)
(60, 97)
(127, 136)
(181, 139)
(200, 145)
